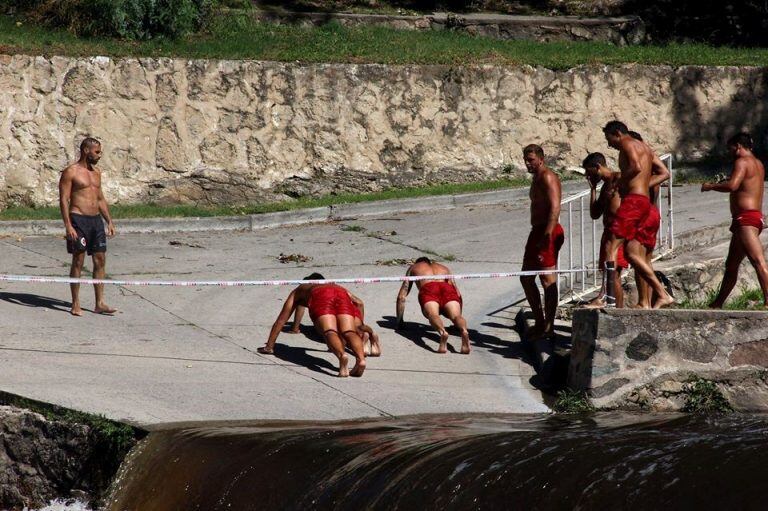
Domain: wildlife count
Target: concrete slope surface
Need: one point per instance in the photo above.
(182, 354)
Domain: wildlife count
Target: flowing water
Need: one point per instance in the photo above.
(603, 461)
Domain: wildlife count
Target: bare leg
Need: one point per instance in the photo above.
(549, 282)
(75, 272)
(327, 324)
(753, 248)
(534, 300)
(618, 291)
(99, 272)
(736, 254)
(643, 289)
(636, 256)
(599, 300)
(347, 326)
(431, 311)
(453, 312)
(611, 275)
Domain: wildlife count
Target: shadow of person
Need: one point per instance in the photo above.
(414, 332)
(307, 331)
(30, 300)
(301, 357)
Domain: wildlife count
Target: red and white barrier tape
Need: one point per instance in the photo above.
(240, 283)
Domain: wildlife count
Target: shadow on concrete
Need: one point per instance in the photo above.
(414, 332)
(30, 300)
(306, 330)
(302, 357)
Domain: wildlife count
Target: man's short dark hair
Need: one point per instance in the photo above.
(422, 260)
(635, 135)
(535, 149)
(615, 128)
(594, 160)
(87, 143)
(314, 276)
(743, 139)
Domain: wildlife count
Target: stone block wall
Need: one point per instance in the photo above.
(177, 130)
(640, 358)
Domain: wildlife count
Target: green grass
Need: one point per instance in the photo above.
(572, 401)
(704, 397)
(237, 36)
(161, 211)
(747, 299)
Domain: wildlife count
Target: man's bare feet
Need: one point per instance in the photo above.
(344, 366)
(640, 306)
(76, 310)
(104, 309)
(465, 347)
(663, 301)
(359, 368)
(443, 348)
(265, 350)
(375, 346)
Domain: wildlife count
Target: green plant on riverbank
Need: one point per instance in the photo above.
(186, 210)
(238, 36)
(572, 401)
(747, 299)
(704, 397)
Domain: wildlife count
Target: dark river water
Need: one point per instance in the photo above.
(602, 461)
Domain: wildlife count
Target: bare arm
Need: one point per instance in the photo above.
(282, 319)
(65, 193)
(733, 183)
(297, 316)
(659, 172)
(359, 304)
(104, 210)
(553, 196)
(401, 295)
(597, 202)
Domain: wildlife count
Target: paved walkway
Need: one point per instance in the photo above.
(178, 354)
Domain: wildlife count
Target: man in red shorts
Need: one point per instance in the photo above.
(636, 163)
(746, 186)
(606, 204)
(544, 241)
(371, 344)
(332, 313)
(439, 296)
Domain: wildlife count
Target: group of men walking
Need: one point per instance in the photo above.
(626, 203)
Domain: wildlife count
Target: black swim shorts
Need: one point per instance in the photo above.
(91, 236)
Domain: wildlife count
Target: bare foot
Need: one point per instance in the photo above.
(265, 350)
(104, 309)
(663, 301)
(465, 347)
(443, 348)
(344, 366)
(641, 306)
(359, 368)
(595, 304)
(375, 346)
(76, 310)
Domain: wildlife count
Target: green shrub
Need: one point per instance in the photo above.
(572, 401)
(126, 19)
(703, 396)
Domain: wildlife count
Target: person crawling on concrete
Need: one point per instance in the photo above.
(371, 344)
(436, 297)
(746, 185)
(606, 204)
(634, 216)
(333, 314)
(544, 242)
(650, 230)
(84, 210)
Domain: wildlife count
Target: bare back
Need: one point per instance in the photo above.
(545, 194)
(636, 164)
(422, 269)
(749, 194)
(84, 189)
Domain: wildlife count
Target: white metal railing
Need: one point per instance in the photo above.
(573, 286)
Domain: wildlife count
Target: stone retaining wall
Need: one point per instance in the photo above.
(178, 130)
(641, 358)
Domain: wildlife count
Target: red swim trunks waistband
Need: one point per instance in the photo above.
(748, 218)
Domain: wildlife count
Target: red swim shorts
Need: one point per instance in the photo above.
(621, 260)
(748, 218)
(440, 292)
(647, 233)
(330, 299)
(631, 216)
(536, 257)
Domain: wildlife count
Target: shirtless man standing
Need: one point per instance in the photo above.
(333, 314)
(746, 186)
(82, 208)
(544, 242)
(634, 217)
(606, 204)
(439, 296)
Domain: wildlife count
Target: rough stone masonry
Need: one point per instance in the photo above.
(178, 130)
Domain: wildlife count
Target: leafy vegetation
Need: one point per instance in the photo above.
(572, 401)
(703, 396)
